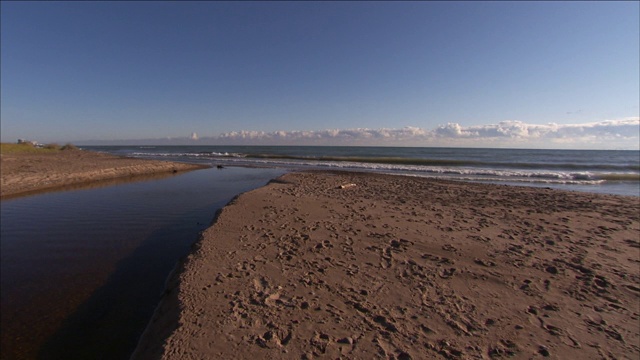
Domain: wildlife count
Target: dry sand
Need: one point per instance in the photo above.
(406, 268)
(25, 173)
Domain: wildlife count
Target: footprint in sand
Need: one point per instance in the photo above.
(447, 273)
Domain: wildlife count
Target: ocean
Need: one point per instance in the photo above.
(597, 171)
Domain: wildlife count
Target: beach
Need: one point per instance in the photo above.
(27, 173)
(359, 266)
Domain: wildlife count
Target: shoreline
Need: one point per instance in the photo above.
(594, 172)
(405, 267)
(23, 174)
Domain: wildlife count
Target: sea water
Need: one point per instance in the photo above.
(597, 171)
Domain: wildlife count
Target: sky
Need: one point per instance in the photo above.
(473, 74)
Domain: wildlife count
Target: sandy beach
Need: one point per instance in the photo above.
(26, 173)
(360, 266)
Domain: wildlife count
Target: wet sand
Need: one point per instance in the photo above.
(406, 268)
(27, 173)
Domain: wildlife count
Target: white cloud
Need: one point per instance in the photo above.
(358, 135)
(622, 134)
(609, 134)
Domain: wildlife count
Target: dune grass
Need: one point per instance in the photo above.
(8, 148)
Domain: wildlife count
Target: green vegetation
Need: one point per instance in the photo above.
(52, 146)
(7, 148)
(69, 146)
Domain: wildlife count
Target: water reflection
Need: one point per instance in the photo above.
(84, 269)
(93, 184)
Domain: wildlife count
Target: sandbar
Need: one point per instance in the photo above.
(27, 173)
(363, 266)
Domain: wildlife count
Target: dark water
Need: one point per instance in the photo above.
(598, 171)
(82, 270)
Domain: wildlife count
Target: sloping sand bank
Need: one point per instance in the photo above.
(25, 173)
(406, 268)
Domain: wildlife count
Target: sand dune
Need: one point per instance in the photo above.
(24, 173)
(406, 268)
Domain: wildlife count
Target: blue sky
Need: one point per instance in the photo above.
(429, 73)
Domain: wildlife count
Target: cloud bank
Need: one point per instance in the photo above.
(609, 134)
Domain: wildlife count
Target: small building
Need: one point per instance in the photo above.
(23, 141)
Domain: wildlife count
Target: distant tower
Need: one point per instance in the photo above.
(194, 136)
